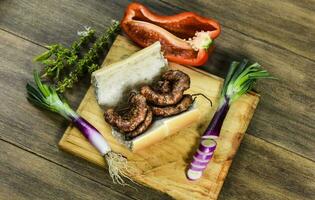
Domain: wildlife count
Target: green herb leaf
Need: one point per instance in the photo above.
(241, 78)
(88, 62)
(46, 97)
(64, 66)
(59, 57)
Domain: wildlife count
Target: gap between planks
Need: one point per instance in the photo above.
(40, 45)
(183, 9)
(23, 38)
(246, 35)
(60, 165)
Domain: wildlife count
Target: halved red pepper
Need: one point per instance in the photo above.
(186, 38)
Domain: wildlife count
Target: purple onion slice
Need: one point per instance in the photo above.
(207, 146)
(202, 157)
(200, 160)
(193, 175)
(200, 163)
(203, 153)
(197, 168)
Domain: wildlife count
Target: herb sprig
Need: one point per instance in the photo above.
(64, 66)
(59, 57)
(88, 62)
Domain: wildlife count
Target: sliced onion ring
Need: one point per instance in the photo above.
(199, 163)
(201, 160)
(207, 145)
(202, 157)
(203, 153)
(197, 168)
(193, 175)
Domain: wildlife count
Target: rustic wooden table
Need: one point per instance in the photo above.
(276, 157)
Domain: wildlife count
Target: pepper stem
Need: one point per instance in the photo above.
(201, 40)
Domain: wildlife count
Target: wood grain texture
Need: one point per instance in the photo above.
(284, 117)
(55, 21)
(271, 172)
(285, 114)
(162, 166)
(39, 131)
(287, 24)
(287, 103)
(27, 176)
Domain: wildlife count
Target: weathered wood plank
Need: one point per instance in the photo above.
(41, 132)
(24, 131)
(284, 115)
(287, 24)
(55, 21)
(286, 103)
(27, 176)
(264, 171)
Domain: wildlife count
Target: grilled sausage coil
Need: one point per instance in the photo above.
(180, 83)
(163, 86)
(136, 115)
(142, 127)
(167, 111)
(167, 98)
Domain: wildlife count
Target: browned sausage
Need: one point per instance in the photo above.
(163, 86)
(182, 106)
(136, 115)
(142, 127)
(180, 81)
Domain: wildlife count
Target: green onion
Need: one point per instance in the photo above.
(47, 98)
(239, 80)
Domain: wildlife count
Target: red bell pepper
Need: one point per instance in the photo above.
(186, 38)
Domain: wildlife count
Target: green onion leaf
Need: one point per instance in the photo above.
(241, 78)
(43, 56)
(46, 97)
(233, 67)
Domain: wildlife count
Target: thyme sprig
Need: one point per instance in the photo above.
(59, 57)
(89, 62)
(64, 66)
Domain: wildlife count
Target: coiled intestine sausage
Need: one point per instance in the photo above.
(163, 86)
(135, 116)
(142, 127)
(180, 83)
(182, 106)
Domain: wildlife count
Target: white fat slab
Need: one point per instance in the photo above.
(111, 82)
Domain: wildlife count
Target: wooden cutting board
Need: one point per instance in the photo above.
(163, 165)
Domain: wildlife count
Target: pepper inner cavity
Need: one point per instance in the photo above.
(184, 28)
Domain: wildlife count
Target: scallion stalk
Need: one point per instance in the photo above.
(240, 79)
(46, 97)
